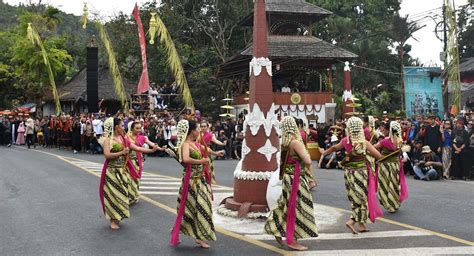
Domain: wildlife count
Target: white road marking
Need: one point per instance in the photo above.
(465, 250)
(372, 234)
(159, 193)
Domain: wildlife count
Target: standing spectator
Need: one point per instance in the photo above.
(470, 157)
(76, 136)
(30, 132)
(98, 127)
(432, 136)
(20, 139)
(429, 166)
(229, 130)
(460, 160)
(446, 136)
(222, 137)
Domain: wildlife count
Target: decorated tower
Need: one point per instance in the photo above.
(261, 143)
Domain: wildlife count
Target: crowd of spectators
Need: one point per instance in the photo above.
(433, 148)
(81, 132)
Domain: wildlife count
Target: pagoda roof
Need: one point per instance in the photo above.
(76, 88)
(285, 48)
(290, 7)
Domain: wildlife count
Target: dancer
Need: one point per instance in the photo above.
(115, 179)
(135, 163)
(293, 216)
(360, 179)
(392, 188)
(194, 200)
(205, 139)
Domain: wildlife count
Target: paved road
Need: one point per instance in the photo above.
(49, 206)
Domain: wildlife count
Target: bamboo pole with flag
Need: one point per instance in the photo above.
(144, 83)
(34, 37)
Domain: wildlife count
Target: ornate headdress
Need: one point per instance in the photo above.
(183, 128)
(355, 130)
(395, 133)
(130, 125)
(371, 122)
(108, 131)
(289, 128)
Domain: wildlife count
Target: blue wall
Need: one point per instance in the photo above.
(423, 93)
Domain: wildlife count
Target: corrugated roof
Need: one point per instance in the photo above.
(76, 88)
(302, 47)
(466, 65)
(295, 6)
(290, 7)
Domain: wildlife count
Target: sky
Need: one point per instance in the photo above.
(427, 47)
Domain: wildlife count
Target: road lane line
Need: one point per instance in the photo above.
(344, 236)
(173, 211)
(445, 236)
(465, 250)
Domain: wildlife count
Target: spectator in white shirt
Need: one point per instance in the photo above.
(98, 127)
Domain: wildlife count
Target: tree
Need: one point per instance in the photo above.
(402, 30)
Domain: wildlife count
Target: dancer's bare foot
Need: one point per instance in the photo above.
(297, 247)
(350, 225)
(362, 228)
(202, 244)
(312, 185)
(279, 241)
(114, 224)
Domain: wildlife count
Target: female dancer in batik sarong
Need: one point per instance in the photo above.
(293, 216)
(194, 200)
(360, 179)
(392, 187)
(115, 179)
(205, 139)
(304, 131)
(135, 163)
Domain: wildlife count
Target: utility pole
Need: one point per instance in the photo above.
(445, 56)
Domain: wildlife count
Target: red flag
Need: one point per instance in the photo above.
(144, 83)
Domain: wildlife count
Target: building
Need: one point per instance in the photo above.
(301, 63)
(73, 94)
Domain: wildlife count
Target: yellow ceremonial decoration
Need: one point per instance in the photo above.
(295, 98)
(152, 30)
(173, 58)
(85, 14)
(33, 36)
(114, 68)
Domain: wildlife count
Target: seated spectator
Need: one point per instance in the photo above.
(330, 161)
(429, 167)
(285, 88)
(94, 146)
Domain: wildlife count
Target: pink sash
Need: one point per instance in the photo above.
(102, 182)
(136, 175)
(374, 208)
(182, 205)
(373, 204)
(388, 144)
(291, 214)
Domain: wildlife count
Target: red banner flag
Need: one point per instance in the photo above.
(144, 83)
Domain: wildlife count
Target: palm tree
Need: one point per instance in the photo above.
(402, 30)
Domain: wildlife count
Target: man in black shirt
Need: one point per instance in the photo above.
(433, 136)
(460, 168)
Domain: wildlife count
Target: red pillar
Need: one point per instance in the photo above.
(261, 142)
(347, 94)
